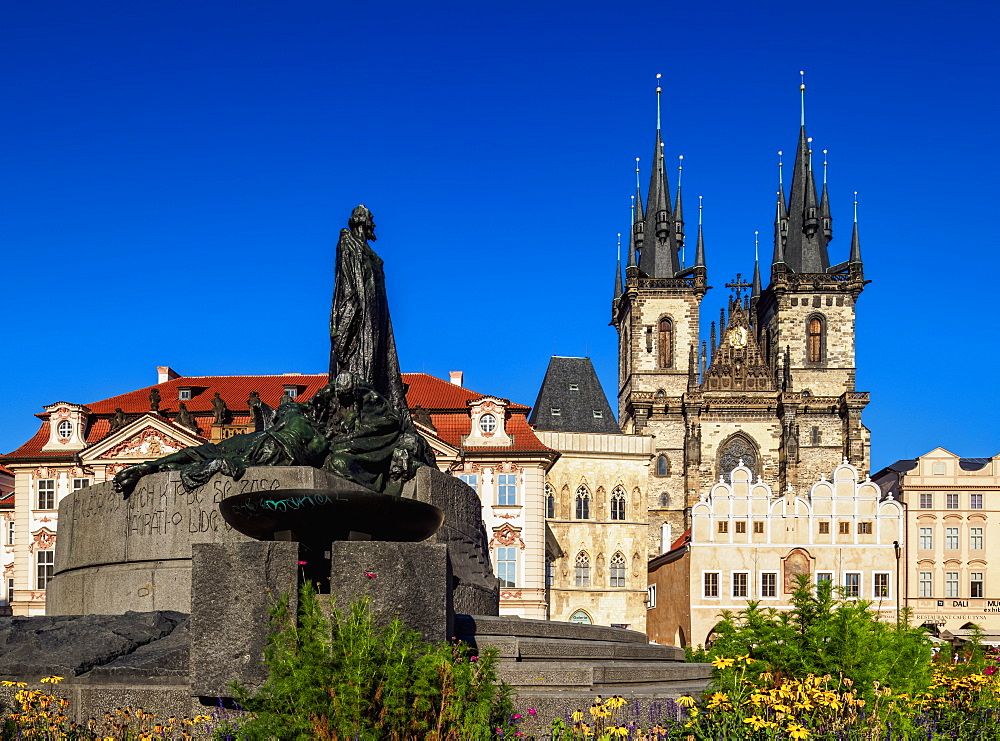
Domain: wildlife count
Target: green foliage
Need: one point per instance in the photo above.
(348, 679)
(826, 634)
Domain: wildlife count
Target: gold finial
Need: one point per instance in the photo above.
(680, 168)
(619, 246)
(825, 163)
(802, 94)
(658, 91)
(756, 244)
(781, 182)
(699, 210)
(855, 207)
(636, 176)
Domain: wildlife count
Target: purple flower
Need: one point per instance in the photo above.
(371, 575)
(532, 711)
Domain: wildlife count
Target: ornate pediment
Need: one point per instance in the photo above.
(148, 443)
(737, 362)
(507, 535)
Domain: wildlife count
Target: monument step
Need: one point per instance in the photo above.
(546, 649)
(553, 675)
(467, 626)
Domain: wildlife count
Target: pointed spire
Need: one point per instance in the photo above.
(699, 257)
(679, 212)
(635, 237)
(704, 359)
(855, 243)
(824, 206)
(693, 368)
(712, 338)
(755, 290)
(780, 218)
(658, 258)
(804, 249)
(618, 269)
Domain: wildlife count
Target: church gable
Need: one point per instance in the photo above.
(737, 362)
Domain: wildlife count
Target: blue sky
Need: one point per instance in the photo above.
(174, 177)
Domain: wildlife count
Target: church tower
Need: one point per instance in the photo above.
(656, 314)
(773, 387)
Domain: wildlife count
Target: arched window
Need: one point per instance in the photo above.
(582, 503)
(617, 570)
(735, 449)
(550, 502)
(661, 465)
(550, 569)
(664, 499)
(666, 343)
(582, 570)
(815, 339)
(618, 504)
(581, 618)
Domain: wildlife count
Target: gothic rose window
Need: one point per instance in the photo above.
(733, 451)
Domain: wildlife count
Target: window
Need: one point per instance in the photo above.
(926, 501)
(740, 584)
(741, 527)
(815, 340)
(550, 569)
(844, 528)
(46, 494)
(864, 528)
(184, 394)
(507, 566)
(617, 570)
(951, 501)
(507, 489)
(618, 505)
(938, 469)
(881, 586)
(661, 465)
(598, 414)
(711, 584)
(951, 584)
(556, 411)
(664, 500)
(650, 596)
(472, 479)
(926, 539)
(666, 343)
(574, 387)
(852, 585)
(10, 590)
(65, 429)
(814, 436)
(582, 503)
(975, 501)
(769, 585)
(292, 392)
(43, 574)
(10, 533)
(580, 618)
(80, 483)
(823, 576)
(976, 585)
(951, 538)
(723, 526)
(758, 527)
(926, 584)
(735, 450)
(824, 528)
(550, 502)
(582, 570)
(975, 539)
(488, 423)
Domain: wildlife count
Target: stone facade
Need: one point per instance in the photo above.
(747, 542)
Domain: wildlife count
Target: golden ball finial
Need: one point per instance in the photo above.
(658, 75)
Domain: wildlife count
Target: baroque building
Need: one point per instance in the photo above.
(773, 386)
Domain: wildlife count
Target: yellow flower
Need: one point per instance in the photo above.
(577, 716)
(796, 731)
(722, 663)
(202, 718)
(53, 679)
(686, 701)
(7, 683)
(756, 722)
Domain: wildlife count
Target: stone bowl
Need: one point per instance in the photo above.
(321, 516)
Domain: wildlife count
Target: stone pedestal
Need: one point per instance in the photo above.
(233, 588)
(411, 581)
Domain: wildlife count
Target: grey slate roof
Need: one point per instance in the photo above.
(569, 397)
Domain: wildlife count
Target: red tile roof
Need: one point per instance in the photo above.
(6, 471)
(683, 540)
(448, 403)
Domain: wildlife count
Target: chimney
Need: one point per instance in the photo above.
(165, 373)
(456, 377)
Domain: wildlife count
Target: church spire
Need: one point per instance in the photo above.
(755, 289)
(855, 258)
(636, 235)
(659, 257)
(618, 269)
(805, 246)
(824, 206)
(679, 212)
(780, 218)
(699, 257)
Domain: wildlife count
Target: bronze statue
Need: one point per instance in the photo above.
(118, 421)
(357, 426)
(220, 409)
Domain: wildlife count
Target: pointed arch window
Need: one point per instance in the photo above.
(665, 342)
(582, 570)
(550, 502)
(661, 465)
(734, 450)
(814, 338)
(618, 504)
(582, 503)
(664, 499)
(616, 571)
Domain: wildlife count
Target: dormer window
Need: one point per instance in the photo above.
(555, 411)
(65, 429)
(292, 391)
(488, 423)
(598, 414)
(184, 393)
(574, 387)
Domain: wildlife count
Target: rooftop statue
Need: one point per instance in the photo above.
(357, 426)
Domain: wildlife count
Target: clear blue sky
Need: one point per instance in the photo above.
(173, 177)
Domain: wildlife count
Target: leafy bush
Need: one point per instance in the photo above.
(348, 679)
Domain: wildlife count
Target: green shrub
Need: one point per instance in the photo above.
(348, 679)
